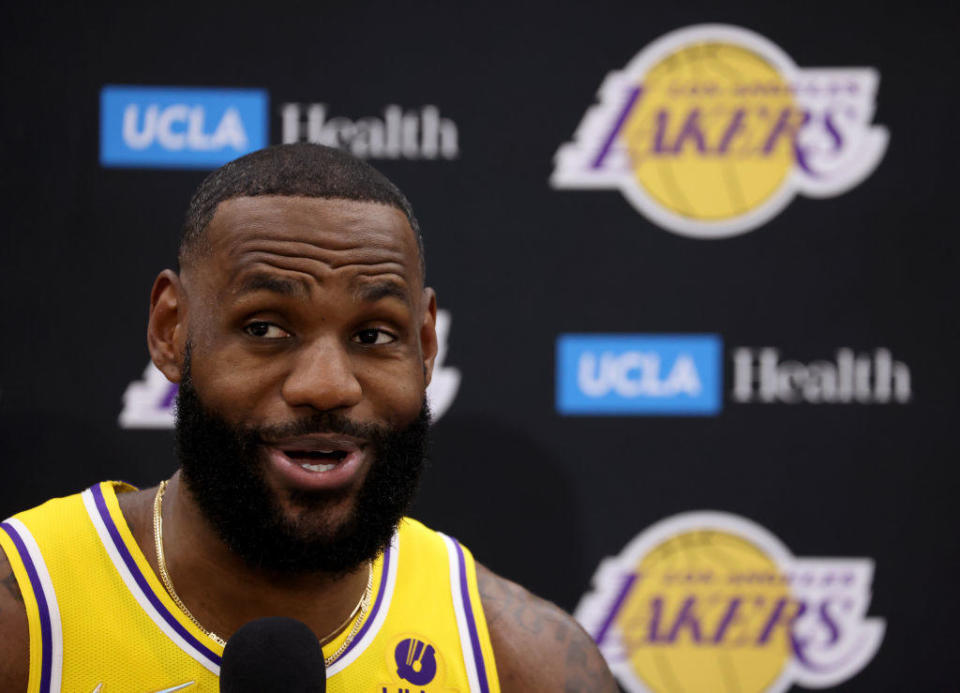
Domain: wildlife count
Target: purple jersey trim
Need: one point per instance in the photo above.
(471, 624)
(142, 581)
(46, 634)
(378, 602)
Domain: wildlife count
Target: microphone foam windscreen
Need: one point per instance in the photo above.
(273, 654)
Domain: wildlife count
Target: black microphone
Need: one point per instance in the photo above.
(273, 655)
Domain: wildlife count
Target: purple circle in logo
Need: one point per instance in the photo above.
(416, 661)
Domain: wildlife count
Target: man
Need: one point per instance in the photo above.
(302, 336)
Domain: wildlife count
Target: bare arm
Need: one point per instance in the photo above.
(538, 646)
(14, 634)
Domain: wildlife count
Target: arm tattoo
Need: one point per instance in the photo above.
(585, 669)
(511, 603)
(518, 612)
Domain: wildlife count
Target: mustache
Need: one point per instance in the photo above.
(318, 423)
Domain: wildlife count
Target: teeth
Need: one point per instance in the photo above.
(317, 467)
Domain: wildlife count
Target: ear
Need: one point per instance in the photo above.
(167, 329)
(428, 333)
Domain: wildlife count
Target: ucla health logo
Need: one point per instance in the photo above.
(639, 374)
(162, 127)
(709, 601)
(711, 130)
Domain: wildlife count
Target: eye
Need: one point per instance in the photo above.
(374, 335)
(265, 330)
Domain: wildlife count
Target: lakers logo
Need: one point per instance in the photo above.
(712, 602)
(711, 130)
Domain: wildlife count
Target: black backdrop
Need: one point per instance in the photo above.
(539, 496)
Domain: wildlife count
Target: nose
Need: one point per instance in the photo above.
(322, 377)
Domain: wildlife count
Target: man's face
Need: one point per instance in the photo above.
(311, 339)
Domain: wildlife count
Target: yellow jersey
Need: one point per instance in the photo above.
(100, 620)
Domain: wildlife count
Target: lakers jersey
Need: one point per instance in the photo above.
(101, 621)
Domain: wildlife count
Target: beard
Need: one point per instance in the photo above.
(223, 469)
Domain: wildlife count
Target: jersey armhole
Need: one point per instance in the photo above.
(471, 621)
(11, 541)
(482, 631)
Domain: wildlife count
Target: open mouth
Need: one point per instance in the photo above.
(316, 460)
(328, 458)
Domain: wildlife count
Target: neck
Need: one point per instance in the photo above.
(220, 589)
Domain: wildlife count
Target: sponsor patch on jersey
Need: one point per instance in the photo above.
(418, 666)
(711, 130)
(709, 601)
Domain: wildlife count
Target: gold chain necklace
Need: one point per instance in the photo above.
(360, 608)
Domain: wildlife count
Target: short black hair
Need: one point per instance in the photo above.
(302, 169)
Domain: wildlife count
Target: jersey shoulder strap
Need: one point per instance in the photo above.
(98, 618)
(20, 538)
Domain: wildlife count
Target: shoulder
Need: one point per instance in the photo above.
(536, 644)
(14, 631)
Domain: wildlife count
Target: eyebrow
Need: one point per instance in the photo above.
(373, 292)
(261, 281)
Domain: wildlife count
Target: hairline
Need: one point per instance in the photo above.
(197, 244)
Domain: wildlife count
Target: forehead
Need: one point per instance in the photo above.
(308, 231)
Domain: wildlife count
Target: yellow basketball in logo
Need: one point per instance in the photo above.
(711, 136)
(709, 613)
